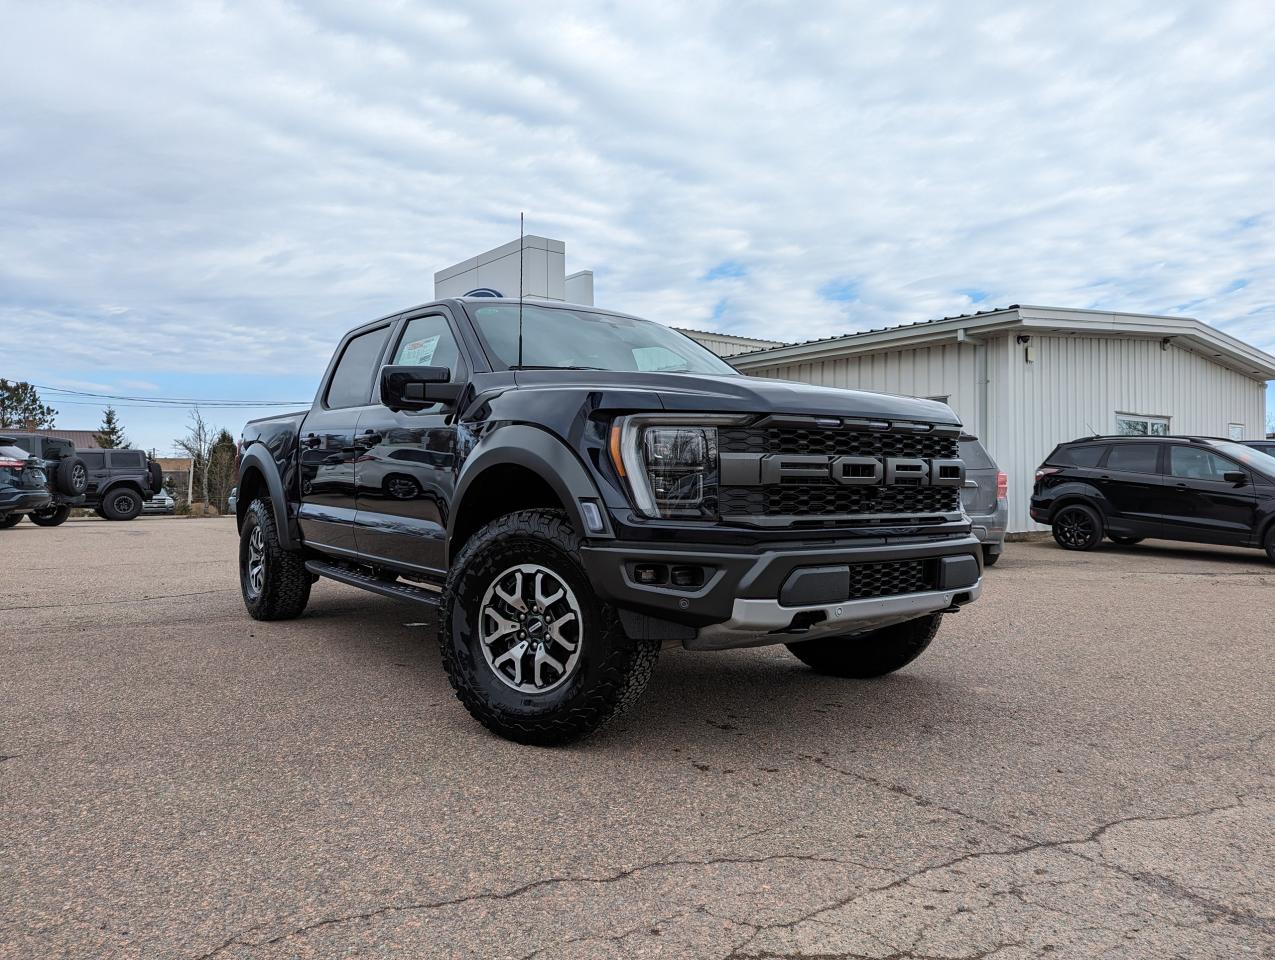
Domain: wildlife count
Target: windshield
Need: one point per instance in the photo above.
(1263, 463)
(558, 338)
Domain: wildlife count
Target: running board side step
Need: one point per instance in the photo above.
(366, 581)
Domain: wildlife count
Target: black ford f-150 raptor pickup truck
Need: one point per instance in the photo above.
(575, 489)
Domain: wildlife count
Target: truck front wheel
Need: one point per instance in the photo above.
(274, 581)
(531, 651)
(868, 655)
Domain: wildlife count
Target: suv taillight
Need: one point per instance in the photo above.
(1002, 486)
(1044, 472)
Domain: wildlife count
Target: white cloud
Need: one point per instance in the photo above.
(228, 187)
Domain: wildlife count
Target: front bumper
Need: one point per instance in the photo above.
(781, 593)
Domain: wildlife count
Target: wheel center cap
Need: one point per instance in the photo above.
(536, 626)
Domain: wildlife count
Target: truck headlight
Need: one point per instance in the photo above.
(670, 463)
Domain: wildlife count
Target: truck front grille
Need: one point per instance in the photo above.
(839, 441)
(822, 498)
(832, 499)
(890, 578)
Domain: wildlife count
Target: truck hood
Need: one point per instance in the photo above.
(726, 394)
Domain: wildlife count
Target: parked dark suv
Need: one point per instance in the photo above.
(68, 475)
(1198, 489)
(120, 482)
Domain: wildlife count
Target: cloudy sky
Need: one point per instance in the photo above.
(196, 200)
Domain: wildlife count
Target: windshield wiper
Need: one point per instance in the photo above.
(549, 366)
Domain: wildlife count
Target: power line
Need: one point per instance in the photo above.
(168, 401)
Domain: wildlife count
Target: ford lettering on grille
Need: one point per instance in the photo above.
(765, 469)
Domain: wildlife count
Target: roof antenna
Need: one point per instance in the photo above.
(521, 219)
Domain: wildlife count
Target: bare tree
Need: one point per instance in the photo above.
(198, 445)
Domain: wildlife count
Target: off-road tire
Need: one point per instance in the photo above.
(610, 674)
(122, 503)
(285, 586)
(155, 476)
(10, 520)
(51, 517)
(1124, 541)
(989, 558)
(867, 655)
(71, 476)
(1077, 526)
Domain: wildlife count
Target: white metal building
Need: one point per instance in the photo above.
(1026, 378)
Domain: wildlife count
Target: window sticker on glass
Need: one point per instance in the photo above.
(419, 353)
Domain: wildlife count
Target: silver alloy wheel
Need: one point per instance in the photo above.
(256, 562)
(530, 626)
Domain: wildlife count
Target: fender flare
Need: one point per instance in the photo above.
(133, 484)
(256, 458)
(545, 455)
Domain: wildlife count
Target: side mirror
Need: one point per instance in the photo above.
(415, 388)
(1237, 477)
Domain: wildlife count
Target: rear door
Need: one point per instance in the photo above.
(1200, 505)
(1130, 480)
(406, 464)
(95, 461)
(327, 442)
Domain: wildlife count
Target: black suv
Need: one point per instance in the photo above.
(66, 470)
(120, 481)
(1197, 489)
(575, 498)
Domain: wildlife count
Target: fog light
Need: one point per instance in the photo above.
(650, 573)
(687, 577)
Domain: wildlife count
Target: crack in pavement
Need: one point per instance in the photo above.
(103, 603)
(1160, 883)
(518, 891)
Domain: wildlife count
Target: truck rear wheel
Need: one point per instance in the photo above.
(122, 503)
(868, 655)
(530, 650)
(274, 581)
(51, 517)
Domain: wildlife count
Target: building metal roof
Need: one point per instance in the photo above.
(1185, 332)
(83, 439)
(732, 337)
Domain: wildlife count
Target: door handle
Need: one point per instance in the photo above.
(311, 440)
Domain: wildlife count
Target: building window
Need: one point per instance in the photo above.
(1136, 425)
(1236, 431)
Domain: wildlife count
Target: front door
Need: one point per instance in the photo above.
(405, 470)
(1200, 504)
(1130, 480)
(327, 444)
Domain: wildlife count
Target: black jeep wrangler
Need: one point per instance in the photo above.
(575, 489)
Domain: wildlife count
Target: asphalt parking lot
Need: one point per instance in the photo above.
(1081, 766)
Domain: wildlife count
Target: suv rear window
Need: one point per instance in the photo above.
(975, 457)
(126, 458)
(1086, 455)
(1134, 457)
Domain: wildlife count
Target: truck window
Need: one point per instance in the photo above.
(93, 459)
(351, 384)
(428, 342)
